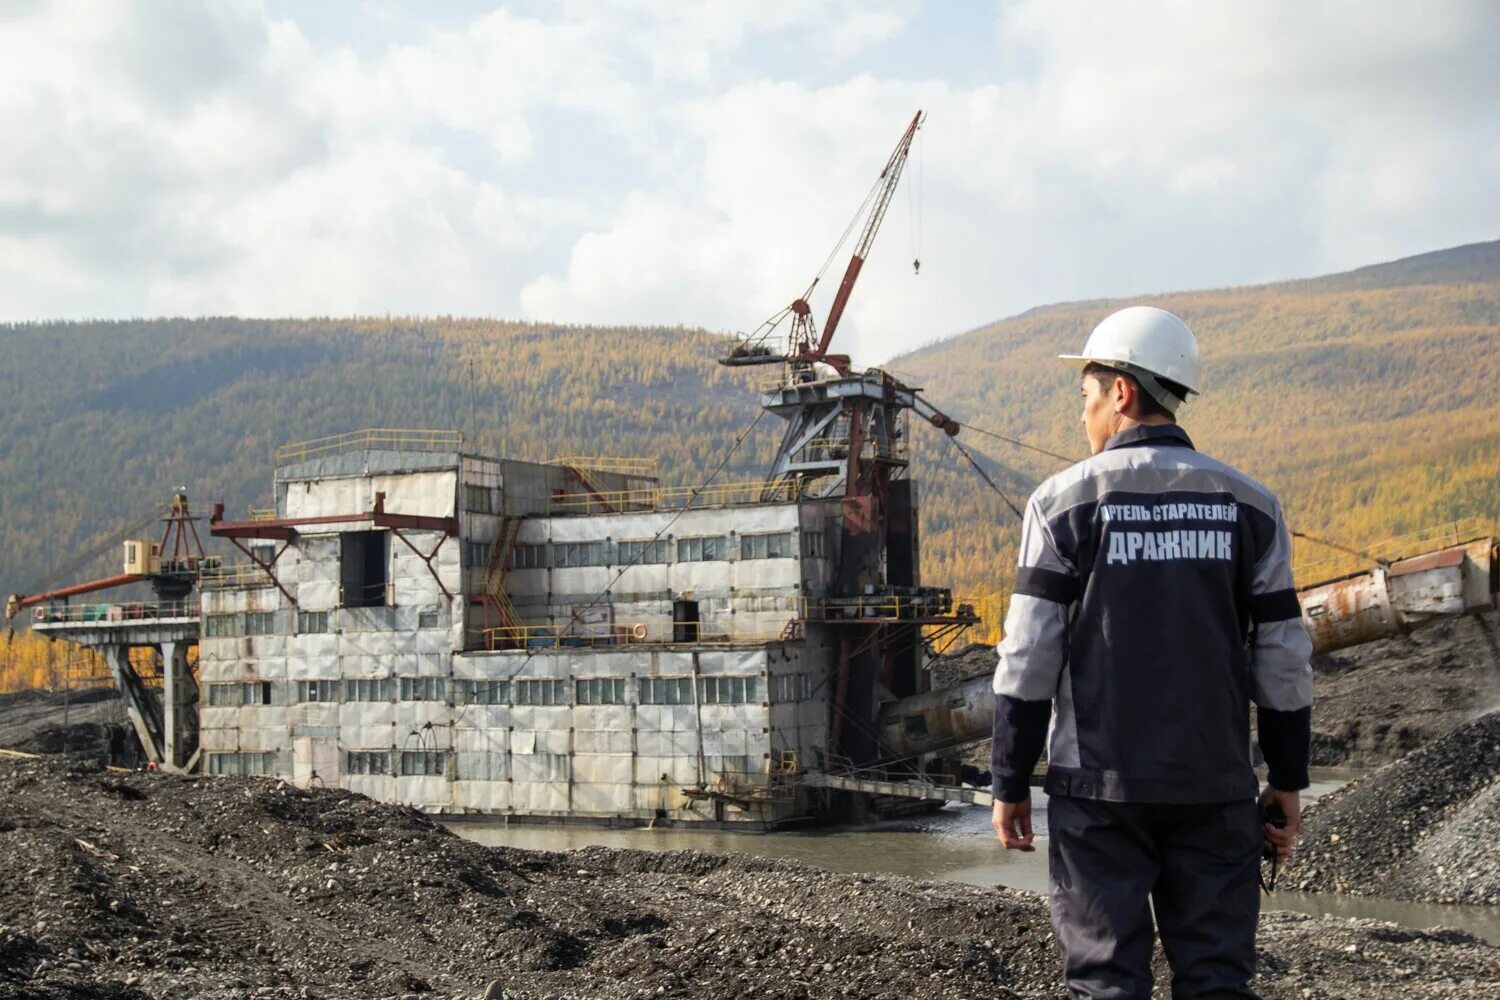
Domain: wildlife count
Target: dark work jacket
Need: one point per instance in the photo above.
(1153, 602)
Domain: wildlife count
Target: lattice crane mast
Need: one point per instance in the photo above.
(804, 345)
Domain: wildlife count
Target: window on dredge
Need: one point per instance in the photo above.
(364, 568)
(780, 545)
(425, 763)
(812, 545)
(477, 554)
(317, 691)
(367, 762)
(540, 691)
(728, 690)
(568, 554)
(705, 549)
(421, 689)
(367, 689)
(641, 553)
(600, 690)
(666, 690)
(241, 763)
(791, 687)
(244, 693)
(529, 556)
(223, 626)
(487, 692)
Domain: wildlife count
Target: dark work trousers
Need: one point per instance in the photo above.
(1196, 866)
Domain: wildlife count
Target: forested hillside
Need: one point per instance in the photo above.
(1369, 400)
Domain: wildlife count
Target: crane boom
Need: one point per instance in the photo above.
(889, 176)
(18, 602)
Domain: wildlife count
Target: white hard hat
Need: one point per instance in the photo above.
(1145, 340)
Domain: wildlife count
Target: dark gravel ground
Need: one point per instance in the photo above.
(136, 885)
(1426, 828)
(1375, 703)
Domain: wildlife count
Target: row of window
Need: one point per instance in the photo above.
(264, 623)
(242, 763)
(241, 623)
(478, 765)
(249, 693)
(791, 687)
(353, 689)
(706, 548)
(405, 762)
(736, 690)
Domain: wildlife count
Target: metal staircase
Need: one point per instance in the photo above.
(502, 553)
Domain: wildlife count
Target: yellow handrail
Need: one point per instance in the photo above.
(606, 463)
(233, 575)
(396, 439)
(876, 606)
(662, 498)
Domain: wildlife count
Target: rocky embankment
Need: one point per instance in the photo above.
(136, 885)
(1426, 828)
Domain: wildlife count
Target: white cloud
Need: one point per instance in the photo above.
(655, 162)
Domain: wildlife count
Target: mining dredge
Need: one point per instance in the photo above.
(572, 641)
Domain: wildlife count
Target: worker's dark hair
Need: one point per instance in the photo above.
(1147, 405)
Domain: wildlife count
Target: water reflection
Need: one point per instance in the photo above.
(955, 845)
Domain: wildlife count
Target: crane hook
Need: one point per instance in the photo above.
(916, 266)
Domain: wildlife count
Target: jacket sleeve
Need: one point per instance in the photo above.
(1032, 656)
(1280, 665)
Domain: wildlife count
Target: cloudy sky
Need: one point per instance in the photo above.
(694, 162)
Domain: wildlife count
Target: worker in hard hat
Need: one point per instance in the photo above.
(1153, 603)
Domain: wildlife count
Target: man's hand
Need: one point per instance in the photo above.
(1281, 840)
(1012, 821)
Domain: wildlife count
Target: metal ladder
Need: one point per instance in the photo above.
(501, 554)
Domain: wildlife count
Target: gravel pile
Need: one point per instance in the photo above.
(140, 885)
(1426, 828)
(1375, 703)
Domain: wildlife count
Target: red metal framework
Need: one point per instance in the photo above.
(285, 529)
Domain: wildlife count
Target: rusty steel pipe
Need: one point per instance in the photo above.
(1386, 601)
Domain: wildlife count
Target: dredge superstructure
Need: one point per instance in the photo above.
(464, 633)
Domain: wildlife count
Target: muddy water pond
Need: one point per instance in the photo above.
(955, 844)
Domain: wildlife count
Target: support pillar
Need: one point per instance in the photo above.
(139, 705)
(179, 700)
